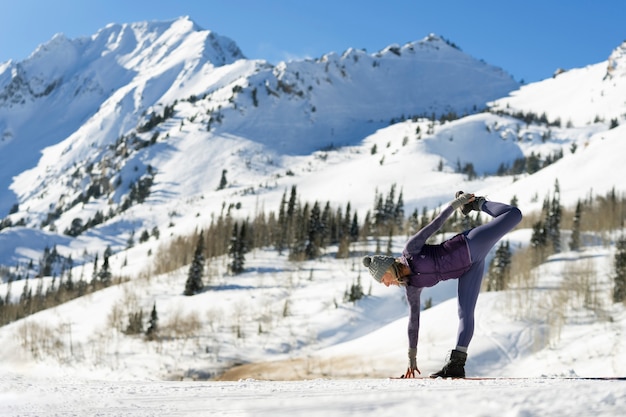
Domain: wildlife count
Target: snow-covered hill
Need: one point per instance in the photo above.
(83, 121)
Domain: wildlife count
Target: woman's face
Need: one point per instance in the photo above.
(389, 279)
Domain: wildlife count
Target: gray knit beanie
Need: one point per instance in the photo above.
(378, 265)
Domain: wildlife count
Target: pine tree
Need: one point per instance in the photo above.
(355, 292)
(389, 208)
(548, 231)
(379, 214)
(69, 283)
(153, 324)
(500, 268)
(194, 278)
(237, 249)
(292, 214)
(26, 297)
(344, 233)
(345, 222)
(619, 287)
(105, 273)
(574, 243)
(539, 241)
(94, 274)
(292, 204)
(301, 234)
(336, 229)
(327, 217)
(399, 211)
(46, 263)
(39, 295)
(533, 163)
(281, 234)
(389, 251)
(315, 230)
(354, 228)
(233, 250)
(135, 323)
(553, 219)
(223, 181)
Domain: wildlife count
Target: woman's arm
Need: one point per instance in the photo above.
(413, 298)
(415, 243)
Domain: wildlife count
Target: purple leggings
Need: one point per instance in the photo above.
(480, 240)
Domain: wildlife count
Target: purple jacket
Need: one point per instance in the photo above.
(430, 264)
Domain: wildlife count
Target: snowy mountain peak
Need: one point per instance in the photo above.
(99, 60)
(438, 41)
(144, 44)
(616, 66)
(432, 43)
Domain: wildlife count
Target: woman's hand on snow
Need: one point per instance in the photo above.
(410, 372)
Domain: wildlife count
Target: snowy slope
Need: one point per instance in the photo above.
(336, 100)
(288, 321)
(77, 119)
(579, 96)
(98, 85)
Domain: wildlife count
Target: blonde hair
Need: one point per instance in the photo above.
(395, 269)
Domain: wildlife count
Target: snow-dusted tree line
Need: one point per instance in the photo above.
(303, 230)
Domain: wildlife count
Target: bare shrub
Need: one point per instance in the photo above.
(523, 281)
(40, 340)
(214, 317)
(128, 304)
(583, 289)
(239, 315)
(181, 325)
(100, 346)
(174, 254)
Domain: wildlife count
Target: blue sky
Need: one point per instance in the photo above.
(528, 39)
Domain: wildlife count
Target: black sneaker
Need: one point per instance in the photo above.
(454, 368)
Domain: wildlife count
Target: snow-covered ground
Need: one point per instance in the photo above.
(319, 397)
(335, 360)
